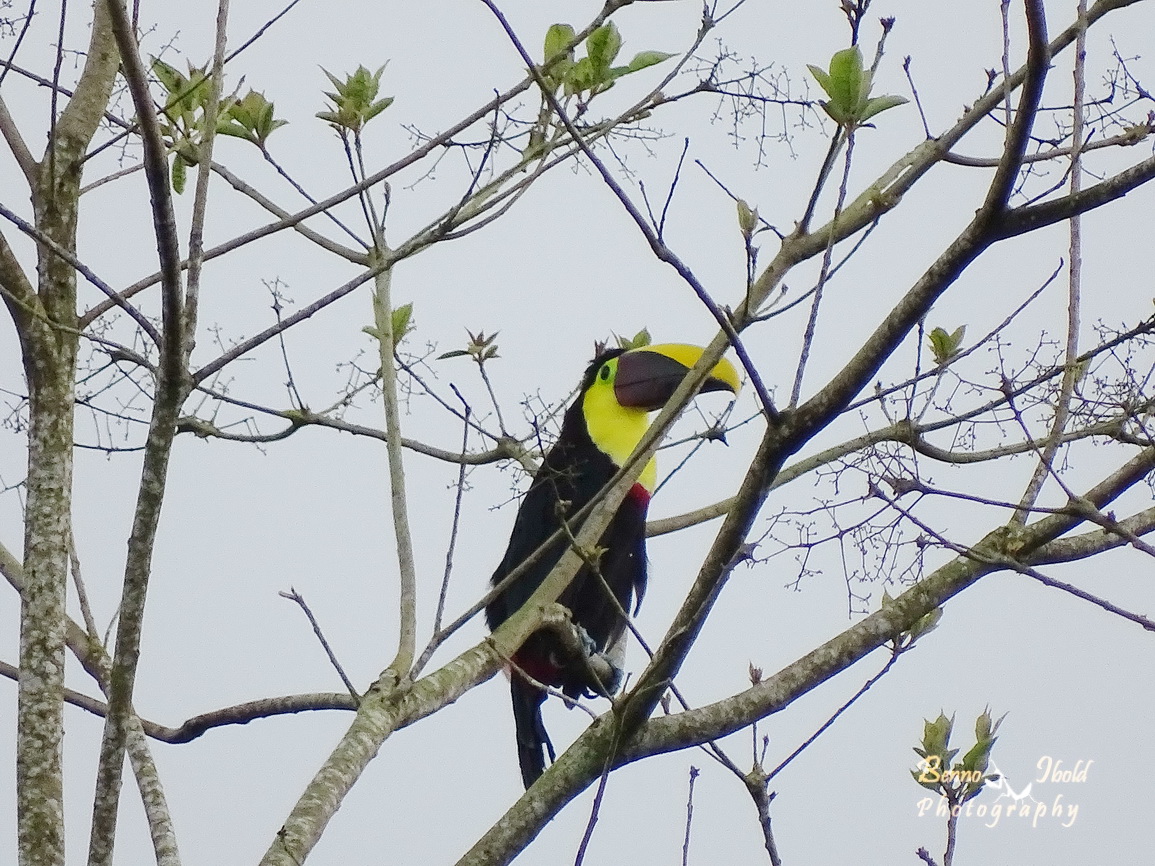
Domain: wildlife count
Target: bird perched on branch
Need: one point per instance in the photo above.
(600, 430)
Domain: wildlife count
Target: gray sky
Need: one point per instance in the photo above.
(243, 523)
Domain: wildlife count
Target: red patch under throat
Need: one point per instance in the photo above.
(639, 494)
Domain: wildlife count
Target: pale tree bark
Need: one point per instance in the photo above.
(46, 322)
(88, 650)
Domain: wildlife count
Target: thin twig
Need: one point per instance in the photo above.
(1071, 368)
(492, 396)
(824, 271)
(689, 816)
(595, 812)
(81, 592)
(1138, 619)
(917, 98)
(114, 297)
(895, 652)
(294, 596)
(456, 516)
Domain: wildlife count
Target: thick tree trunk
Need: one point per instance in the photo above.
(47, 326)
(40, 723)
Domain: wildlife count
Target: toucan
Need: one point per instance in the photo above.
(599, 431)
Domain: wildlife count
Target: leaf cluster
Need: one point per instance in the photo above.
(641, 338)
(355, 101)
(480, 348)
(182, 121)
(595, 73)
(401, 324)
(848, 85)
(252, 118)
(944, 346)
(962, 780)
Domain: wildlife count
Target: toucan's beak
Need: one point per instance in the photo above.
(648, 376)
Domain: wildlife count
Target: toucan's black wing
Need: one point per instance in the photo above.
(572, 473)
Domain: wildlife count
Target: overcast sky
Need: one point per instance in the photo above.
(565, 268)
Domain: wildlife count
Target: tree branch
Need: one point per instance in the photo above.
(171, 388)
(1029, 218)
(19, 150)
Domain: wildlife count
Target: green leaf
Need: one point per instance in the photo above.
(978, 756)
(377, 107)
(641, 338)
(171, 80)
(355, 103)
(603, 45)
(580, 77)
(880, 104)
(178, 174)
(945, 347)
(558, 38)
(925, 624)
(846, 79)
(747, 218)
(848, 85)
(402, 322)
(456, 353)
(936, 735)
(336, 82)
(822, 78)
(233, 129)
(837, 114)
(985, 728)
(646, 59)
(251, 118)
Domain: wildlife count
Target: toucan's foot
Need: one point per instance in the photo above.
(609, 675)
(588, 644)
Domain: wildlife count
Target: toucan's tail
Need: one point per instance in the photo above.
(532, 740)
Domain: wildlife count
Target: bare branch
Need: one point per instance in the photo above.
(44, 240)
(171, 388)
(1028, 218)
(197, 726)
(15, 141)
(294, 596)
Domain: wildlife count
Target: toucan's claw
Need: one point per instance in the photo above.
(609, 675)
(588, 643)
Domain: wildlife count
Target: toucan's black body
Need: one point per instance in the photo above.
(573, 472)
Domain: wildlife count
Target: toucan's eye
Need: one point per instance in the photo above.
(604, 373)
